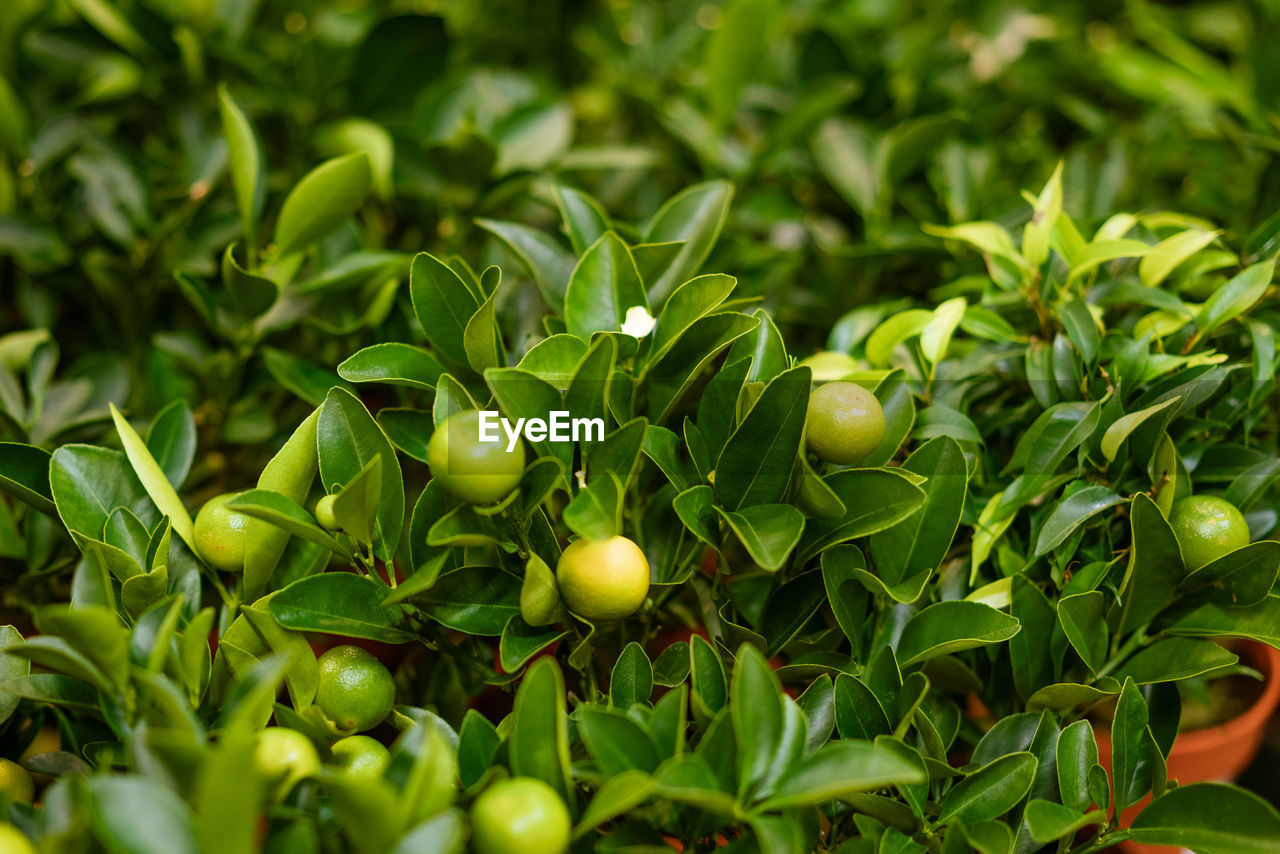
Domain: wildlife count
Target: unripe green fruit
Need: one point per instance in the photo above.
(844, 423)
(324, 512)
(477, 472)
(362, 756)
(1207, 527)
(285, 756)
(522, 815)
(355, 690)
(603, 579)
(220, 534)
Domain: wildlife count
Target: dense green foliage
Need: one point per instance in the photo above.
(262, 255)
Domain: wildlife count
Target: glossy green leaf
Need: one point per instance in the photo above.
(322, 201)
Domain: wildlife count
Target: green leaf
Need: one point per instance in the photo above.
(250, 296)
(1242, 577)
(443, 833)
(308, 381)
(755, 464)
(991, 791)
(919, 543)
(289, 473)
(874, 500)
(947, 627)
(443, 304)
(1235, 297)
(757, 715)
(1175, 659)
(1082, 619)
(139, 815)
(1077, 754)
(172, 441)
(355, 135)
(547, 261)
(1155, 565)
(686, 305)
(339, 603)
(710, 688)
(88, 482)
(733, 53)
(392, 363)
(347, 438)
(768, 532)
(584, 219)
(894, 331)
(1166, 255)
(618, 796)
(1209, 818)
(153, 480)
(935, 337)
(840, 769)
(604, 286)
(11, 667)
(322, 201)
(672, 375)
(539, 742)
(1072, 512)
(616, 742)
(859, 713)
(1122, 427)
(1047, 821)
(482, 339)
(694, 217)
(355, 505)
(632, 679)
(764, 347)
(24, 473)
(245, 161)
(1130, 771)
(280, 512)
(478, 600)
(596, 512)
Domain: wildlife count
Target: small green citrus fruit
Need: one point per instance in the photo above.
(603, 579)
(844, 423)
(220, 535)
(475, 471)
(521, 815)
(355, 690)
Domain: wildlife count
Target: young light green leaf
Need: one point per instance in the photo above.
(153, 479)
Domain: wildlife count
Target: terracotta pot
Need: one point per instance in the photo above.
(1216, 754)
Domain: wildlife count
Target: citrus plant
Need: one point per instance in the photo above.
(883, 605)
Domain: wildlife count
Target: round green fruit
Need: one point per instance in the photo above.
(477, 472)
(361, 756)
(603, 579)
(1207, 527)
(844, 423)
(12, 841)
(324, 512)
(521, 815)
(355, 690)
(285, 756)
(16, 782)
(220, 534)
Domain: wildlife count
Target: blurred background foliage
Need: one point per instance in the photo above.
(843, 126)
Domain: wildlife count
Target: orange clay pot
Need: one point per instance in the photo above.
(1218, 753)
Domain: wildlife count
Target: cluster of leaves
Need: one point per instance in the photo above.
(810, 667)
(841, 127)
